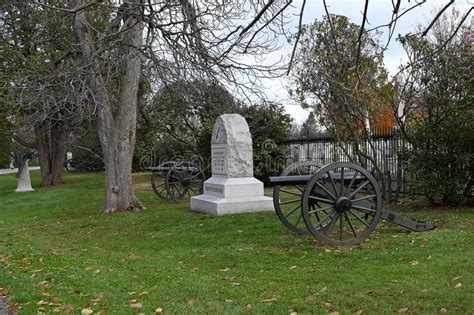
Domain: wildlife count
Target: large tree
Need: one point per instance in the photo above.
(178, 114)
(339, 72)
(168, 40)
(41, 90)
(435, 109)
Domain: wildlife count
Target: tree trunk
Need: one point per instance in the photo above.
(117, 118)
(51, 143)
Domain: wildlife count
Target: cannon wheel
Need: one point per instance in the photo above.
(184, 179)
(352, 197)
(287, 198)
(158, 180)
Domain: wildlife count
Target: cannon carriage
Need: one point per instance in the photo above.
(176, 180)
(339, 203)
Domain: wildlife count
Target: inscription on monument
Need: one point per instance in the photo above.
(212, 188)
(219, 159)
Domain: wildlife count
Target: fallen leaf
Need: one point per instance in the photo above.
(235, 283)
(414, 263)
(102, 312)
(322, 290)
(142, 294)
(42, 303)
(224, 270)
(86, 311)
(334, 313)
(293, 313)
(33, 276)
(136, 305)
(158, 311)
(268, 300)
(43, 283)
(228, 301)
(131, 292)
(248, 306)
(358, 312)
(310, 298)
(192, 302)
(403, 310)
(326, 304)
(327, 250)
(458, 285)
(293, 267)
(443, 310)
(456, 278)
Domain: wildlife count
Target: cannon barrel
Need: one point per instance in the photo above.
(303, 179)
(289, 180)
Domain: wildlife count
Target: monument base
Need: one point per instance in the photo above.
(220, 206)
(232, 195)
(24, 190)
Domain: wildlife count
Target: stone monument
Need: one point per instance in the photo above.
(24, 181)
(232, 187)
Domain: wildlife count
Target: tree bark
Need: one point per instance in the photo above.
(117, 118)
(51, 143)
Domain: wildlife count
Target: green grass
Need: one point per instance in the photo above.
(56, 247)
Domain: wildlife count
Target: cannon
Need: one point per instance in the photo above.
(339, 203)
(176, 180)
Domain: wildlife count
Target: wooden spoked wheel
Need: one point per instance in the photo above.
(158, 180)
(341, 204)
(184, 179)
(287, 198)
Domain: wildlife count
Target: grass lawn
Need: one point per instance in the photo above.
(58, 253)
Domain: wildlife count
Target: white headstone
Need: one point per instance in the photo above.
(232, 187)
(24, 181)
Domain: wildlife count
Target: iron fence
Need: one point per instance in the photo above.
(382, 146)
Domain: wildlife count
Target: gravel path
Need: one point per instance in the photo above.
(9, 171)
(3, 308)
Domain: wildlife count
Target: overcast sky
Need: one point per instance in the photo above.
(379, 12)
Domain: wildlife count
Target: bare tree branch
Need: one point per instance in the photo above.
(298, 34)
(359, 39)
(436, 18)
(412, 63)
(257, 17)
(72, 11)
